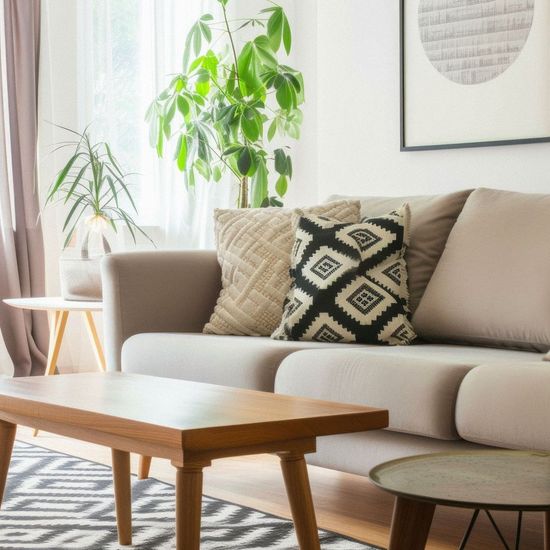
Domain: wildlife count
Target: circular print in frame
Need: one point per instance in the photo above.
(474, 41)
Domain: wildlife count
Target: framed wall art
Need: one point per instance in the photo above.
(474, 73)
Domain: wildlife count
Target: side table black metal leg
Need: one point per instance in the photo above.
(472, 523)
(469, 530)
(518, 530)
(493, 522)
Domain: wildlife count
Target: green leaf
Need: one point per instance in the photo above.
(281, 186)
(196, 63)
(289, 167)
(203, 169)
(114, 191)
(264, 51)
(160, 138)
(216, 174)
(272, 130)
(247, 65)
(275, 27)
(249, 124)
(206, 32)
(280, 162)
(153, 131)
(179, 85)
(75, 183)
(245, 161)
(113, 159)
(170, 112)
(73, 210)
(63, 174)
(183, 105)
(259, 185)
(231, 81)
(286, 95)
(203, 83)
(197, 40)
(210, 63)
(190, 179)
(287, 35)
(182, 153)
(233, 149)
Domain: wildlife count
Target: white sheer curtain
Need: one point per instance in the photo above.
(126, 51)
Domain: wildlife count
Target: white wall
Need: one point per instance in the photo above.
(358, 118)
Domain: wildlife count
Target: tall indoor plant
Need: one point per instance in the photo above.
(97, 194)
(229, 102)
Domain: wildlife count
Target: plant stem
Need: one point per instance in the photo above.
(232, 42)
(243, 193)
(221, 158)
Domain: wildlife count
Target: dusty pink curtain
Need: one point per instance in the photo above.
(21, 246)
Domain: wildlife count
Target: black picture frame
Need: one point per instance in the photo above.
(402, 86)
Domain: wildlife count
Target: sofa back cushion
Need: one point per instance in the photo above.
(492, 283)
(432, 218)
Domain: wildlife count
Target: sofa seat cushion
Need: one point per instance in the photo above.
(506, 405)
(238, 361)
(417, 384)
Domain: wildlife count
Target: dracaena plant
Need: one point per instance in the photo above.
(94, 186)
(233, 97)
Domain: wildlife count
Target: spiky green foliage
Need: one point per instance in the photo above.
(92, 183)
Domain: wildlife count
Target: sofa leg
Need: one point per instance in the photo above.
(144, 467)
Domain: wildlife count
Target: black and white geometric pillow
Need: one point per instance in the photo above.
(349, 282)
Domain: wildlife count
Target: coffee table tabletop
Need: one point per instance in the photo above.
(481, 480)
(187, 422)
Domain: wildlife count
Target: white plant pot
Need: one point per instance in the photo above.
(81, 275)
(80, 279)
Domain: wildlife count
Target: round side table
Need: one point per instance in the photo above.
(480, 480)
(58, 311)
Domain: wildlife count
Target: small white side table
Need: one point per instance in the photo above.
(58, 313)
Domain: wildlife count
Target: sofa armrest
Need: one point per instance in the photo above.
(156, 291)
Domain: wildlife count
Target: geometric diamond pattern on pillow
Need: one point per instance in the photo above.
(349, 281)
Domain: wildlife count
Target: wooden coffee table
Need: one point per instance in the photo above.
(189, 423)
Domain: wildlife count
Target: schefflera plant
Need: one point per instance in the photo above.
(228, 104)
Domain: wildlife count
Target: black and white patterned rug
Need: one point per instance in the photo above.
(55, 501)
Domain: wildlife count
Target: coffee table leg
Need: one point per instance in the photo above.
(7, 437)
(144, 466)
(188, 507)
(411, 524)
(546, 530)
(123, 495)
(294, 469)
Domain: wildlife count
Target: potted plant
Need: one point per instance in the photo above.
(96, 192)
(230, 102)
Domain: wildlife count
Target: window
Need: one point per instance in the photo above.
(126, 51)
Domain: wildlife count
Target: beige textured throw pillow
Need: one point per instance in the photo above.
(254, 247)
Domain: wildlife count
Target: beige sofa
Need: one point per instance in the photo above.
(441, 396)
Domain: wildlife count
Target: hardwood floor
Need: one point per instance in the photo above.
(344, 503)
